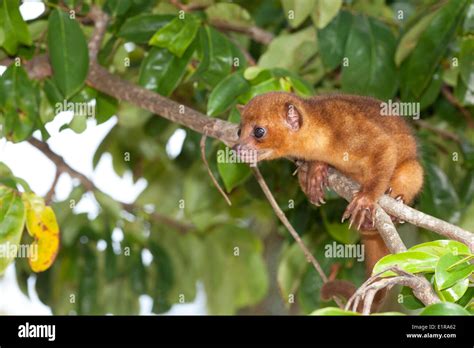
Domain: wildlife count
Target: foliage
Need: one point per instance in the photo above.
(413, 50)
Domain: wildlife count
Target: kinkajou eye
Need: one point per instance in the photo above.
(259, 132)
(238, 132)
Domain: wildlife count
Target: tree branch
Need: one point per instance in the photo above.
(255, 33)
(281, 215)
(345, 188)
(63, 167)
(100, 79)
(103, 81)
(441, 132)
(100, 19)
(421, 289)
(464, 112)
(420, 219)
(49, 195)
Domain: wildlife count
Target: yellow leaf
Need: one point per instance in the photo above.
(42, 225)
(34, 206)
(41, 222)
(47, 249)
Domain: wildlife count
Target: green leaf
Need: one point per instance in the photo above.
(300, 86)
(455, 292)
(253, 72)
(431, 93)
(272, 84)
(409, 300)
(297, 11)
(177, 35)
(87, 299)
(446, 275)
(109, 205)
(441, 247)
(309, 291)
(15, 30)
(419, 67)
(232, 174)
(332, 39)
(5, 171)
(411, 37)
(464, 93)
(140, 29)
(467, 297)
(324, 11)
(164, 278)
(106, 107)
(444, 309)
(215, 54)
(68, 53)
(466, 61)
(225, 94)
(78, 124)
(38, 28)
(468, 25)
(276, 79)
(138, 274)
(235, 274)
(53, 94)
(409, 261)
(299, 47)
(292, 267)
(339, 231)
(117, 7)
(229, 13)
(186, 256)
(439, 198)
(18, 104)
(131, 116)
(161, 71)
(200, 197)
(369, 50)
(12, 222)
(333, 311)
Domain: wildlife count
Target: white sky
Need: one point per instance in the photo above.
(30, 164)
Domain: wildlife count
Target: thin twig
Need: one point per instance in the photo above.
(442, 132)
(63, 167)
(188, 8)
(255, 33)
(420, 219)
(464, 112)
(213, 178)
(421, 288)
(100, 19)
(49, 196)
(281, 215)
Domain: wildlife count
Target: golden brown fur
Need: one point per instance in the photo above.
(344, 131)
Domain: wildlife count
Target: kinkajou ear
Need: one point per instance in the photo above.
(293, 117)
(240, 107)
